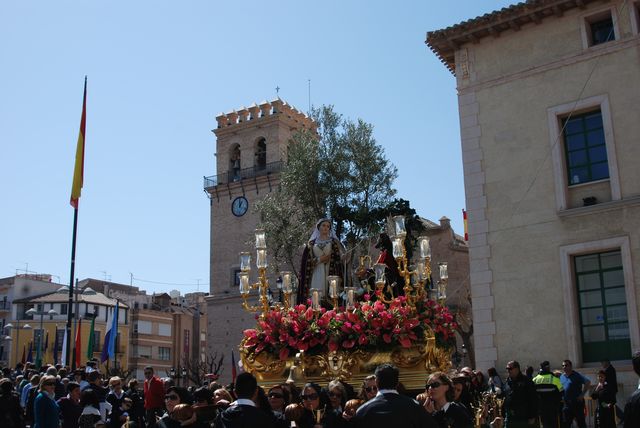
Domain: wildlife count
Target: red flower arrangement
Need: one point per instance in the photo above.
(371, 325)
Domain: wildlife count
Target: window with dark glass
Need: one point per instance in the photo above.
(261, 154)
(585, 148)
(604, 323)
(602, 30)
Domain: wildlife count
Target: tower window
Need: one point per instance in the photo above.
(261, 154)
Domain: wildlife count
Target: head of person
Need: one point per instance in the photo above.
(182, 412)
(529, 371)
(479, 378)
(52, 371)
(337, 394)
(176, 395)
(459, 385)
(513, 369)
(635, 361)
(148, 372)
(324, 227)
(35, 380)
(491, 372)
(278, 398)
(545, 367)
(567, 366)
(94, 378)
(440, 388)
(605, 363)
(387, 376)
(115, 383)
(221, 394)
(89, 398)
(369, 389)
(133, 384)
(203, 396)
(73, 391)
(311, 396)
(602, 376)
(352, 406)
(6, 386)
(246, 386)
(48, 384)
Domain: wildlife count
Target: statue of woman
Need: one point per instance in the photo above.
(321, 258)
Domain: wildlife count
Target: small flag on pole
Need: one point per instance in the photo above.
(234, 372)
(466, 225)
(30, 353)
(63, 358)
(78, 346)
(55, 348)
(108, 350)
(78, 171)
(24, 350)
(92, 339)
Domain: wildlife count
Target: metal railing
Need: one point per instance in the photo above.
(242, 174)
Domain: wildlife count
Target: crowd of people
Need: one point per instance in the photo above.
(54, 397)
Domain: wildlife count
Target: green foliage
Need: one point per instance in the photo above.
(340, 172)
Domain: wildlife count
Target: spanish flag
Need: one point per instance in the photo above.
(466, 225)
(78, 172)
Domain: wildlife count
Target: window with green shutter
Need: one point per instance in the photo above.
(602, 303)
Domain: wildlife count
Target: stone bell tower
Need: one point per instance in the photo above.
(250, 149)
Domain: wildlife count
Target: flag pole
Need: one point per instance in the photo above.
(76, 187)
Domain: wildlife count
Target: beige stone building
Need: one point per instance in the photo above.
(548, 94)
(250, 148)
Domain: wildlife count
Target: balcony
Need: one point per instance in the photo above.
(241, 174)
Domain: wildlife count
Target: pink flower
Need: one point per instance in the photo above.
(333, 346)
(405, 342)
(284, 354)
(348, 344)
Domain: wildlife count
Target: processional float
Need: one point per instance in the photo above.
(347, 338)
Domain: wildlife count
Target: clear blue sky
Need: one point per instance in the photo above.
(159, 72)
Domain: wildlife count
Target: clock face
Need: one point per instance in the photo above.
(239, 206)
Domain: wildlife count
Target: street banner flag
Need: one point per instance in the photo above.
(466, 226)
(78, 349)
(24, 350)
(91, 344)
(55, 348)
(234, 372)
(108, 350)
(78, 171)
(30, 353)
(63, 358)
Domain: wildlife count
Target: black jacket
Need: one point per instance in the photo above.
(390, 410)
(456, 416)
(521, 399)
(632, 411)
(241, 416)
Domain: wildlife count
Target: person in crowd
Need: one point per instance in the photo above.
(185, 415)
(153, 397)
(383, 410)
(549, 390)
(440, 404)
(95, 380)
(632, 408)
(70, 409)
(605, 396)
(80, 377)
(244, 412)
(575, 386)
(115, 398)
(203, 405)
(310, 413)
(10, 410)
(278, 397)
(46, 413)
(461, 393)
(32, 391)
(90, 404)
(368, 390)
(136, 412)
(494, 382)
(520, 404)
(34, 381)
(528, 372)
(337, 394)
(610, 374)
(222, 398)
(175, 395)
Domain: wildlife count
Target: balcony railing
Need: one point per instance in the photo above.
(241, 174)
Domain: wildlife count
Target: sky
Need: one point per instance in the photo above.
(159, 72)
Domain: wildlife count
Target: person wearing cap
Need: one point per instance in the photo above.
(549, 390)
(520, 404)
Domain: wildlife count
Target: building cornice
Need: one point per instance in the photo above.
(444, 43)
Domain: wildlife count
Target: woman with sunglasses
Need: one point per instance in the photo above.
(368, 390)
(337, 399)
(278, 397)
(311, 413)
(175, 395)
(440, 405)
(46, 412)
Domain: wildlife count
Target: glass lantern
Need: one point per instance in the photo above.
(245, 262)
(244, 283)
(425, 247)
(444, 273)
(334, 284)
(398, 243)
(379, 268)
(286, 282)
(261, 258)
(261, 239)
(399, 224)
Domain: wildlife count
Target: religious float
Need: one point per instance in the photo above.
(346, 332)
